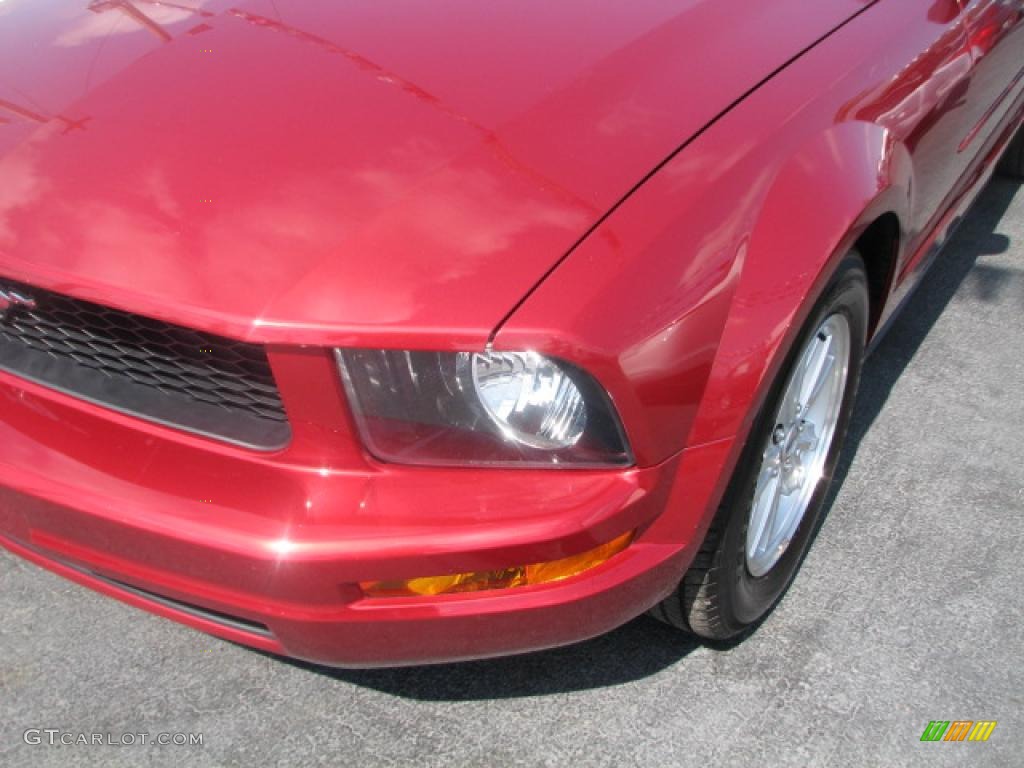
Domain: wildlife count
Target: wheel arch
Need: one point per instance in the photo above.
(848, 187)
(879, 246)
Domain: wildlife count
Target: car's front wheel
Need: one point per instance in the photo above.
(772, 508)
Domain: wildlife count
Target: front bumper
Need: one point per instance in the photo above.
(268, 551)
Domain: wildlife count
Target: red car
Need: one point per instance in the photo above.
(377, 334)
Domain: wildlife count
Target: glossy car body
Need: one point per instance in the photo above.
(656, 192)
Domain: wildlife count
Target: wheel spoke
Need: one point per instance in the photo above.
(768, 492)
(825, 378)
(810, 381)
(776, 520)
(789, 412)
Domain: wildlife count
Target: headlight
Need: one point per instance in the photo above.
(490, 408)
(530, 398)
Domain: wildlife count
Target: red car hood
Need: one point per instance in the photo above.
(335, 172)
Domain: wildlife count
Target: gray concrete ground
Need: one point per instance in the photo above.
(908, 609)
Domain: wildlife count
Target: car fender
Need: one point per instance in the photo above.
(676, 302)
(825, 196)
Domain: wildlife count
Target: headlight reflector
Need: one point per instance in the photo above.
(512, 408)
(530, 398)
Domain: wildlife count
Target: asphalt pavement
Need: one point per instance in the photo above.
(908, 609)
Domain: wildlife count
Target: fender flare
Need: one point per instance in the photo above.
(821, 202)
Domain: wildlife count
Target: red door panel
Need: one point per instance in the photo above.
(995, 30)
(924, 106)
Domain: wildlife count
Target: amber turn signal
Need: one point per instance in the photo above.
(515, 576)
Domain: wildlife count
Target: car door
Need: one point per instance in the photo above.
(924, 106)
(995, 32)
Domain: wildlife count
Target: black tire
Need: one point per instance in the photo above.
(1012, 162)
(718, 598)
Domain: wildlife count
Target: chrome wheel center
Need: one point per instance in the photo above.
(792, 457)
(793, 461)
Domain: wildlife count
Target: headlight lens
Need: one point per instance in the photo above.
(530, 398)
(517, 408)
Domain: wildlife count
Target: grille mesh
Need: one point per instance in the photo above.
(150, 368)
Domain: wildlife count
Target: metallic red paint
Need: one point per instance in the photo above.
(655, 192)
(259, 163)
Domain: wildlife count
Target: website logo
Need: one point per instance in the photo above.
(958, 730)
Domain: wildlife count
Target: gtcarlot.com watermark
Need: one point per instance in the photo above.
(55, 737)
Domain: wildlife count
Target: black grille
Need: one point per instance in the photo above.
(145, 367)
